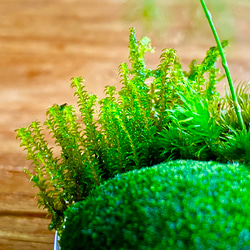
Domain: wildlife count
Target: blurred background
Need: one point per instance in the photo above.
(44, 43)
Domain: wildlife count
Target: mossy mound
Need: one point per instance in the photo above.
(175, 205)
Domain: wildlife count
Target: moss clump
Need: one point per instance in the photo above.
(175, 205)
(158, 115)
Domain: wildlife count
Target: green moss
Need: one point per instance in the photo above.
(177, 205)
(159, 114)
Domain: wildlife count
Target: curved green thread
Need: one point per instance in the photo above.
(224, 64)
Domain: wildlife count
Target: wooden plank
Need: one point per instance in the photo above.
(22, 224)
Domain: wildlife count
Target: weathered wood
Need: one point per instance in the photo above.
(22, 224)
(25, 232)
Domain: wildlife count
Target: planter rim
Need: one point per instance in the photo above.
(56, 244)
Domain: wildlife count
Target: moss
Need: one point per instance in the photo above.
(175, 205)
(159, 114)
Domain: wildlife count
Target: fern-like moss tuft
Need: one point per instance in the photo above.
(159, 114)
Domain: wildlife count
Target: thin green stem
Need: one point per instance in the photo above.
(225, 65)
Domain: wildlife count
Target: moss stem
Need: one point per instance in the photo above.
(225, 65)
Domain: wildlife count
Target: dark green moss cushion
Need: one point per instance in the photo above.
(175, 205)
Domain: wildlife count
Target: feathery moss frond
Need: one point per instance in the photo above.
(159, 114)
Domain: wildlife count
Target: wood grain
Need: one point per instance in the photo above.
(42, 45)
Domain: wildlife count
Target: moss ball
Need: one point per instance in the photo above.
(175, 205)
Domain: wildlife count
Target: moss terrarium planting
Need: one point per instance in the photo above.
(159, 115)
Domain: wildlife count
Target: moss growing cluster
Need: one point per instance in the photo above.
(175, 205)
(159, 114)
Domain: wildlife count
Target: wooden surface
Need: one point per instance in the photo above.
(42, 45)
